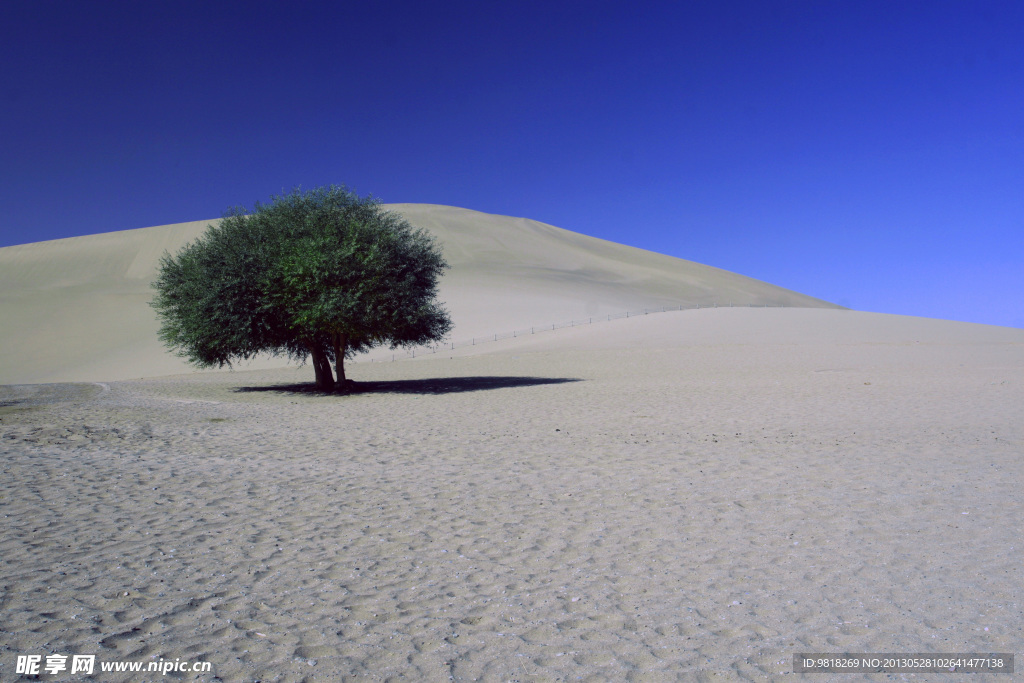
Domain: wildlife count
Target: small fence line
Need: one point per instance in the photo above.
(498, 336)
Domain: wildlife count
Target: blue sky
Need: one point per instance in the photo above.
(870, 154)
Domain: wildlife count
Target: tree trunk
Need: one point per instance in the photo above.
(339, 341)
(322, 368)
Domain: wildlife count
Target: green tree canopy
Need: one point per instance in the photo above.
(322, 274)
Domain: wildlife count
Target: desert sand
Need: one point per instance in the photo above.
(687, 495)
(75, 310)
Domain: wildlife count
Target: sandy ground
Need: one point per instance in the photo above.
(689, 496)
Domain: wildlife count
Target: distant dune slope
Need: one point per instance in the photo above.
(76, 309)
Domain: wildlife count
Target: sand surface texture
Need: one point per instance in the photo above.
(77, 309)
(682, 496)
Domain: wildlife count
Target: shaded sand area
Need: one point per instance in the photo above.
(683, 496)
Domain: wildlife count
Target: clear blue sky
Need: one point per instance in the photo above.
(868, 153)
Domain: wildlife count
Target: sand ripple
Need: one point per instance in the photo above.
(693, 516)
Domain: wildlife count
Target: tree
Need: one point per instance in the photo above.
(322, 274)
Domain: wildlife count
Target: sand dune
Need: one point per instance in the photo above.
(510, 273)
(687, 495)
(76, 309)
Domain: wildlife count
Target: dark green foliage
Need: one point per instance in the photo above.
(323, 273)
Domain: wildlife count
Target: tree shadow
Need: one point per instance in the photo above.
(432, 385)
